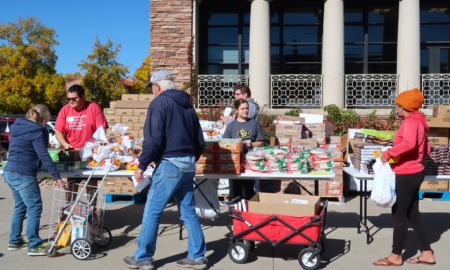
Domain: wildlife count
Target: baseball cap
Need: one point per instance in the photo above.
(159, 75)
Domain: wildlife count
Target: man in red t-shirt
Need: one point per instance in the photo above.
(77, 121)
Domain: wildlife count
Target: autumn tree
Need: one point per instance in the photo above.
(103, 77)
(27, 67)
(142, 74)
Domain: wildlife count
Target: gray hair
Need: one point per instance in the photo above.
(166, 84)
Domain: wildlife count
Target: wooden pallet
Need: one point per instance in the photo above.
(434, 195)
(125, 198)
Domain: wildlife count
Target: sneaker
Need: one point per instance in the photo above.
(22, 244)
(188, 263)
(37, 251)
(133, 264)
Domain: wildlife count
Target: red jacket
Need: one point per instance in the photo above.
(410, 144)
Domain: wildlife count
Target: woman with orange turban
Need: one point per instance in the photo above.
(410, 146)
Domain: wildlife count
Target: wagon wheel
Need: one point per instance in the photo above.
(250, 244)
(238, 252)
(81, 249)
(309, 259)
(51, 252)
(102, 237)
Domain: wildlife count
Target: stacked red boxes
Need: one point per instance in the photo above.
(221, 157)
(228, 156)
(206, 162)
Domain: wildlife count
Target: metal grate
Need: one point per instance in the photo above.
(296, 90)
(436, 89)
(370, 90)
(217, 90)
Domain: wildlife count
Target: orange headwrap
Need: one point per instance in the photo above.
(410, 100)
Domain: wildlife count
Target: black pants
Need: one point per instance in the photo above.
(241, 188)
(407, 209)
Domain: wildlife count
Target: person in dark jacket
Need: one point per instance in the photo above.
(173, 139)
(27, 148)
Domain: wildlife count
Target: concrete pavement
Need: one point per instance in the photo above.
(344, 247)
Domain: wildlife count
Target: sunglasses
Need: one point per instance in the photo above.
(72, 99)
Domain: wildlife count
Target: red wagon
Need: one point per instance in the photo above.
(278, 229)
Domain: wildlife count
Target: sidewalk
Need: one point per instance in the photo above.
(344, 247)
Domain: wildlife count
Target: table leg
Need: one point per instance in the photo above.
(363, 210)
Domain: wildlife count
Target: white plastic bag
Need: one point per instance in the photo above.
(202, 204)
(383, 190)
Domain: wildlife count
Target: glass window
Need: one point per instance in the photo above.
(354, 34)
(223, 54)
(383, 68)
(435, 14)
(223, 19)
(353, 15)
(385, 52)
(301, 53)
(435, 32)
(379, 14)
(301, 16)
(354, 53)
(222, 35)
(301, 34)
(381, 33)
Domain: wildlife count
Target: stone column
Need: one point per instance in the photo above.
(259, 65)
(333, 53)
(171, 35)
(408, 45)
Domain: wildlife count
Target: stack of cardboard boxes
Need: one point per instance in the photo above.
(292, 131)
(121, 185)
(221, 157)
(130, 111)
(438, 136)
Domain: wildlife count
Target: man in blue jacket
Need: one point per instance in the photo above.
(173, 139)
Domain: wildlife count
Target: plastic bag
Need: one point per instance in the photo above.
(203, 208)
(383, 190)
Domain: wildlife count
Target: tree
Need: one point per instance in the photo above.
(142, 74)
(27, 67)
(103, 73)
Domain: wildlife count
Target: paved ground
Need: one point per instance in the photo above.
(345, 248)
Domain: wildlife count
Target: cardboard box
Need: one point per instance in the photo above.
(284, 204)
(129, 119)
(441, 111)
(438, 122)
(146, 97)
(434, 185)
(113, 189)
(138, 112)
(142, 118)
(109, 111)
(113, 119)
(132, 104)
(130, 97)
(124, 112)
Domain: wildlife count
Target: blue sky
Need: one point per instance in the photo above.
(77, 23)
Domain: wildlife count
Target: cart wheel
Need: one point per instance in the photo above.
(51, 252)
(103, 237)
(238, 252)
(308, 260)
(250, 245)
(81, 249)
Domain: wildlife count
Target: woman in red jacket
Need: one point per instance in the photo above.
(410, 146)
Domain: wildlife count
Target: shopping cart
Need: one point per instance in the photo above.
(278, 229)
(77, 219)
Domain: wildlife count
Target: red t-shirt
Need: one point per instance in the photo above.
(79, 126)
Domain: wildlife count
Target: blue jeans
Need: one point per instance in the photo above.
(167, 182)
(27, 200)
